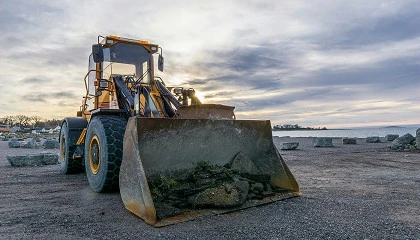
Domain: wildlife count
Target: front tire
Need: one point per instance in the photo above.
(68, 165)
(103, 152)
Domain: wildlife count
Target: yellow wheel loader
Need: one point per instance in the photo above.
(135, 134)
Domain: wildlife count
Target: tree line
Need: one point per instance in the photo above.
(29, 121)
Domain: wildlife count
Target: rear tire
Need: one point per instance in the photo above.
(68, 165)
(103, 152)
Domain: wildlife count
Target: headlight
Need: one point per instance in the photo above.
(103, 84)
(178, 91)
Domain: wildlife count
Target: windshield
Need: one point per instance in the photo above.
(127, 59)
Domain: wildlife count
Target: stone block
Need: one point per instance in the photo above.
(418, 138)
(402, 142)
(391, 137)
(373, 139)
(13, 143)
(33, 159)
(51, 144)
(323, 142)
(32, 144)
(349, 141)
(289, 145)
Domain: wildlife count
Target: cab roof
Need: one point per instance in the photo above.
(112, 39)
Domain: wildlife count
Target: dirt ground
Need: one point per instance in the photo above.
(362, 191)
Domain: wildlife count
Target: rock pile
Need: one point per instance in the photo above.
(323, 142)
(349, 141)
(374, 139)
(210, 186)
(39, 159)
(406, 141)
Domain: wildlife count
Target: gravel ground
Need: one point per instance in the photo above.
(361, 191)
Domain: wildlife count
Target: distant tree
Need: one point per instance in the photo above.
(10, 120)
(52, 123)
(33, 121)
(5, 120)
(36, 121)
(20, 120)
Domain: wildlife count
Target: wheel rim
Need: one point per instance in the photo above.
(94, 155)
(63, 149)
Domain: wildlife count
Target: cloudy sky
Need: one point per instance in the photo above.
(316, 63)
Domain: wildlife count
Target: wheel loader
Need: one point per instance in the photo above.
(131, 127)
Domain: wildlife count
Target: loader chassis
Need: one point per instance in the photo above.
(130, 126)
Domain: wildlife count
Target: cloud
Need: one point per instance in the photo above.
(318, 62)
(35, 98)
(33, 80)
(48, 97)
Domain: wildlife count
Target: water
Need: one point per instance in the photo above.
(354, 132)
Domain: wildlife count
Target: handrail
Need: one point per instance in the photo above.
(87, 74)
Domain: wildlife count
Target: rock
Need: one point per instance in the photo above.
(418, 138)
(267, 194)
(243, 164)
(289, 145)
(391, 137)
(349, 141)
(226, 195)
(323, 142)
(252, 196)
(373, 139)
(23, 144)
(257, 187)
(33, 159)
(402, 142)
(31, 144)
(243, 187)
(51, 144)
(13, 143)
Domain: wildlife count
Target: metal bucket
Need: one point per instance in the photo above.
(167, 146)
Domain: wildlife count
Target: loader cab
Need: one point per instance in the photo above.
(117, 56)
(127, 59)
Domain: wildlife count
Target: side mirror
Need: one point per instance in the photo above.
(98, 53)
(160, 63)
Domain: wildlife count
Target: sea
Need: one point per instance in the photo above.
(358, 132)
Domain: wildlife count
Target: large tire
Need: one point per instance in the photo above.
(103, 152)
(68, 165)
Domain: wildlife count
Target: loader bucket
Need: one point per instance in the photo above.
(170, 146)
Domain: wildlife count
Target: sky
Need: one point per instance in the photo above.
(313, 63)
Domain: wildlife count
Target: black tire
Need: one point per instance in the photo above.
(68, 165)
(103, 152)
